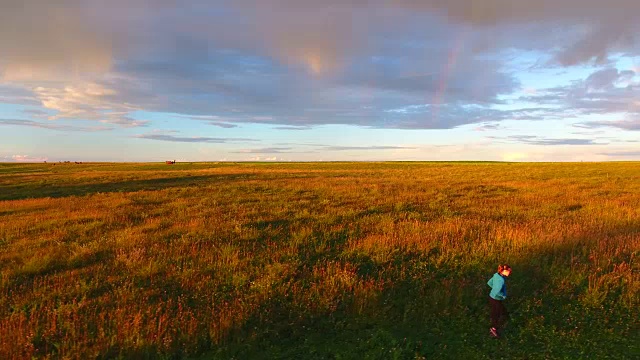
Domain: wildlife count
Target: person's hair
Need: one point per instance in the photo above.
(503, 267)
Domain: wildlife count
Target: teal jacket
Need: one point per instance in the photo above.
(498, 287)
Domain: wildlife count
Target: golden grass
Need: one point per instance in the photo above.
(112, 260)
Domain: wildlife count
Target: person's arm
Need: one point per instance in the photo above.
(496, 288)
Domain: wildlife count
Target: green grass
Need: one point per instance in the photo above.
(318, 260)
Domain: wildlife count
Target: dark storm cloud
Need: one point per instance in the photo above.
(301, 30)
(304, 63)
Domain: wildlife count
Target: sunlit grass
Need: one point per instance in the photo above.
(345, 260)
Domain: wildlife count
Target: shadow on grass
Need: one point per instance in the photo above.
(428, 308)
(32, 191)
(26, 275)
(440, 312)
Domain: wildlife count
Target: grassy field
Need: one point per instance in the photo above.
(318, 260)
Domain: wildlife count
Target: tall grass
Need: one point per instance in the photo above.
(340, 260)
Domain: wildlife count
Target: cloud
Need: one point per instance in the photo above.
(366, 148)
(162, 132)
(12, 94)
(622, 153)
(260, 158)
(222, 125)
(536, 140)
(604, 79)
(609, 91)
(594, 29)
(60, 41)
(25, 158)
(89, 101)
(195, 139)
(303, 63)
(488, 127)
(210, 119)
(52, 126)
(36, 113)
(90, 36)
(633, 125)
(301, 144)
(269, 150)
(294, 128)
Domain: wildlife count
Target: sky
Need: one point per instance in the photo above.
(309, 80)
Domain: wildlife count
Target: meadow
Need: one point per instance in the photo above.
(318, 260)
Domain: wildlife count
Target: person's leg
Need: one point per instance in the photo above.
(495, 315)
(504, 315)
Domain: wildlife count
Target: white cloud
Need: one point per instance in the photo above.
(87, 101)
(27, 158)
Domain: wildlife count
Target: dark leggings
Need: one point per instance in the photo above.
(499, 313)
